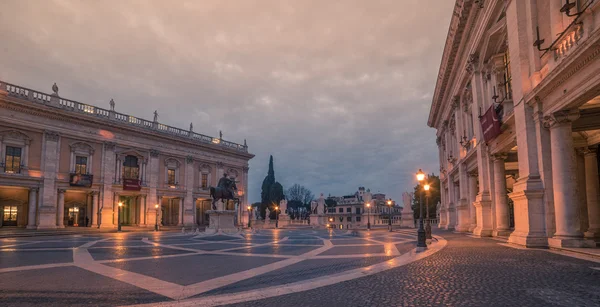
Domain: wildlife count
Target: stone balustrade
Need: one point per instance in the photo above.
(110, 115)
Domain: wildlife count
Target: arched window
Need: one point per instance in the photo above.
(131, 169)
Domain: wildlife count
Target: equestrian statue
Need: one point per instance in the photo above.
(225, 190)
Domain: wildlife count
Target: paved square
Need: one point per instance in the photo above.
(288, 268)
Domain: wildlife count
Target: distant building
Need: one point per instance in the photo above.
(351, 211)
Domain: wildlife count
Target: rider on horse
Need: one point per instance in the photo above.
(225, 183)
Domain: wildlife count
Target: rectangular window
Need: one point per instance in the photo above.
(349, 219)
(205, 181)
(12, 162)
(131, 168)
(171, 176)
(358, 218)
(349, 210)
(341, 210)
(357, 210)
(80, 165)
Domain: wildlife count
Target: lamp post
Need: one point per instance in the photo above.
(428, 225)
(119, 216)
(156, 219)
(276, 216)
(368, 216)
(389, 202)
(249, 216)
(421, 241)
(330, 221)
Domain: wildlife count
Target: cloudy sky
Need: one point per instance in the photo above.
(337, 91)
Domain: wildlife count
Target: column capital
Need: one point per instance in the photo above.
(561, 117)
(153, 153)
(51, 135)
(474, 173)
(220, 164)
(95, 193)
(245, 169)
(34, 189)
(499, 156)
(189, 159)
(591, 151)
(61, 191)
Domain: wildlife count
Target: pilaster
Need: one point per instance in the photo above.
(50, 154)
(31, 218)
(592, 192)
(462, 206)
(500, 197)
(188, 217)
(106, 219)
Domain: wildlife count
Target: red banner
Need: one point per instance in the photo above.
(490, 124)
(131, 185)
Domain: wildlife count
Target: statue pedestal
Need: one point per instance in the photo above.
(284, 220)
(408, 222)
(221, 221)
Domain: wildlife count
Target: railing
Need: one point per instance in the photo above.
(74, 106)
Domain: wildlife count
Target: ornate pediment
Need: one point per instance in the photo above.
(172, 162)
(82, 147)
(205, 168)
(131, 152)
(15, 135)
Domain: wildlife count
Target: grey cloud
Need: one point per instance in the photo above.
(337, 91)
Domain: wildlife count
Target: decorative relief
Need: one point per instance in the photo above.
(472, 62)
(153, 153)
(452, 125)
(455, 102)
(445, 124)
(438, 140)
(561, 117)
(189, 159)
(51, 135)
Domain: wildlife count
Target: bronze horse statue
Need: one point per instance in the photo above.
(223, 193)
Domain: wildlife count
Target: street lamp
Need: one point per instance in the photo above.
(369, 216)
(421, 241)
(249, 216)
(276, 217)
(428, 225)
(389, 202)
(119, 216)
(156, 220)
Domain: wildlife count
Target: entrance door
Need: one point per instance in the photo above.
(9, 217)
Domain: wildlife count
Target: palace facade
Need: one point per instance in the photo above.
(351, 211)
(67, 163)
(517, 113)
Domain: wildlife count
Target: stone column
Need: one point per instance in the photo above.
(471, 203)
(60, 211)
(500, 197)
(195, 211)
(443, 222)
(528, 191)
(592, 193)
(451, 214)
(32, 208)
(564, 178)
(581, 189)
(95, 213)
(180, 216)
(463, 207)
(143, 206)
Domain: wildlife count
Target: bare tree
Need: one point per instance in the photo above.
(299, 193)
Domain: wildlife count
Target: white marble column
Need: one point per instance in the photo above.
(95, 213)
(180, 216)
(500, 197)
(581, 189)
(564, 178)
(592, 192)
(32, 208)
(60, 210)
(471, 204)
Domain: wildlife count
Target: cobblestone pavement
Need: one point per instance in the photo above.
(289, 268)
(468, 272)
